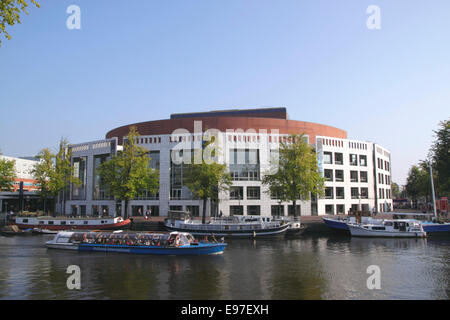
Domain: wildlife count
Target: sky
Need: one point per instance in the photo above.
(142, 60)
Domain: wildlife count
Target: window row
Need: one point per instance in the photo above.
(380, 165)
(339, 193)
(338, 176)
(148, 140)
(384, 179)
(384, 193)
(339, 159)
(237, 193)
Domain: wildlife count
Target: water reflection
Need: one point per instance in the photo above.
(312, 267)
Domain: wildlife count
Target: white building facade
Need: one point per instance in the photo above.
(356, 179)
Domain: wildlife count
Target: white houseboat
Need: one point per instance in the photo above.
(389, 228)
(232, 226)
(70, 223)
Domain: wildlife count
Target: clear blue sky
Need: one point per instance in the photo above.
(142, 60)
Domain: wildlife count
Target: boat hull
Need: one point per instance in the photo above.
(290, 232)
(336, 224)
(357, 231)
(201, 249)
(436, 227)
(270, 232)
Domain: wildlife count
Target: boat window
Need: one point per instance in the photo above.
(62, 240)
(41, 222)
(86, 222)
(63, 222)
(72, 222)
(25, 220)
(50, 222)
(389, 224)
(378, 228)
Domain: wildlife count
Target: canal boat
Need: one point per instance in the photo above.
(402, 228)
(232, 226)
(174, 243)
(72, 223)
(13, 230)
(295, 226)
(341, 224)
(44, 231)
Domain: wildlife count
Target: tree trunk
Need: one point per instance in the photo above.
(295, 208)
(125, 212)
(204, 211)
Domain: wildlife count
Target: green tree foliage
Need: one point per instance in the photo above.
(7, 174)
(44, 172)
(418, 183)
(128, 174)
(440, 156)
(54, 172)
(206, 180)
(395, 190)
(298, 175)
(10, 11)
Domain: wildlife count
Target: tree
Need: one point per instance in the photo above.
(440, 157)
(54, 172)
(297, 175)
(44, 173)
(395, 190)
(418, 182)
(7, 174)
(64, 171)
(128, 174)
(207, 179)
(10, 14)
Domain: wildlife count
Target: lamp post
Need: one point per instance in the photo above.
(432, 191)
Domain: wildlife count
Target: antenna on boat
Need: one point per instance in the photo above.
(432, 190)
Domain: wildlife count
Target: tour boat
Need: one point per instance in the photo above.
(389, 228)
(232, 226)
(70, 223)
(174, 243)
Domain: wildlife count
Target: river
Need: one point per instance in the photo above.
(311, 267)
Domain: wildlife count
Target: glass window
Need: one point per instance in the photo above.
(363, 176)
(253, 193)
(328, 175)
(363, 160)
(253, 210)
(364, 193)
(236, 210)
(329, 209)
(353, 176)
(291, 210)
(237, 193)
(340, 193)
(100, 190)
(353, 159)
(327, 158)
(329, 193)
(339, 174)
(338, 158)
(340, 209)
(355, 193)
(79, 171)
(277, 210)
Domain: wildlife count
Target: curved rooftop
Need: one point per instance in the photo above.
(223, 120)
